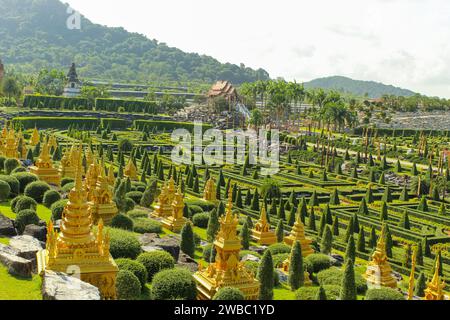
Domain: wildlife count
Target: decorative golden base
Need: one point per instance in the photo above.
(174, 225)
(50, 175)
(106, 212)
(264, 238)
(380, 276)
(305, 244)
(68, 172)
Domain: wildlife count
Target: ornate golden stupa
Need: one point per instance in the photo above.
(435, 288)
(379, 272)
(164, 206)
(176, 221)
(52, 142)
(227, 270)
(298, 234)
(44, 169)
(35, 138)
(130, 171)
(101, 205)
(68, 161)
(111, 177)
(92, 176)
(210, 191)
(285, 269)
(11, 145)
(76, 248)
(261, 233)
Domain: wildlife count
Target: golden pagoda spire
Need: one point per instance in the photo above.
(35, 138)
(298, 234)
(435, 287)
(261, 233)
(44, 167)
(130, 170)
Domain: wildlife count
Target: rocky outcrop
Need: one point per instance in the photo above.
(170, 244)
(187, 262)
(38, 232)
(60, 286)
(17, 266)
(7, 227)
(27, 248)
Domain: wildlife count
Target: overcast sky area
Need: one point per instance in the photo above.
(400, 42)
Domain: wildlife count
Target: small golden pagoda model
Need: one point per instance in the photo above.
(92, 175)
(52, 142)
(379, 272)
(111, 177)
(101, 206)
(176, 221)
(227, 270)
(130, 170)
(435, 287)
(67, 167)
(11, 145)
(210, 191)
(77, 248)
(262, 233)
(298, 234)
(164, 207)
(285, 269)
(35, 138)
(44, 169)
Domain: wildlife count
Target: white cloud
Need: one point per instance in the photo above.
(399, 42)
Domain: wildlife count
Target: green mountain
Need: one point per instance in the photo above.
(370, 89)
(34, 35)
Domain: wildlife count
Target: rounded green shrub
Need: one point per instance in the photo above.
(317, 262)
(123, 244)
(123, 222)
(13, 184)
(24, 218)
(18, 170)
(155, 261)
(67, 187)
(195, 209)
(383, 294)
(174, 284)
(135, 267)
(10, 165)
(278, 248)
(229, 293)
(50, 197)
(201, 220)
(24, 203)
(36, 190)
(5, 190)
(137, 213)
(24, 178)
(145, 225)
(333, 276)
(136, 196)
(310, 293)
(129, 204)
(57, 209)
(66, 180)
(127, 285)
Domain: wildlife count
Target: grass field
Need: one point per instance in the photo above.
(43, 212)
(14, 288)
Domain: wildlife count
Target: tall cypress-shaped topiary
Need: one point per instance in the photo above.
(303, 210)
(388, 241)
(328, 215)
(322, 224)
(423, 205)
(312, 220)
(373, 238)
(404, 195)
(442, 210)
(361, 243)
(314, 201)
(355, 172)
(280, 231)
(255, 201)
(372, 175)
(292, 216)
(334, 198)
(350, 251)
(187, 244)
(239, 202)
(426, 247)
(213, 226)
(321, 295)
(387, 195)
(281, 214)
(350, 230)
(265, 276)
(363, 210)
(383, 212)
(421, 285)
(355, 222)
(327, 241)
(336, 226)
(382, 179)
(348, 286)
(245, 236)
(404, 221)
(369, 196)
(296, 276)
(414, 170)
(248, 198)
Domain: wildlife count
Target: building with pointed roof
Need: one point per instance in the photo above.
(73, 86)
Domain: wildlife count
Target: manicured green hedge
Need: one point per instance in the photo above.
(56, 102)
(115, 124)
(113, 105)
(56, 122)
(167, 125)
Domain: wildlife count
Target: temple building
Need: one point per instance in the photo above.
(163, 208)
(379, 272)
(223, 89)
(10, 148)
(101, 204)
(73, 86)
(92, 176)
(210, 191)
(44, 169)
(298, 234)
(176, 221)
(261, 233)
(77, 248)
(435, 288)
(227, 270)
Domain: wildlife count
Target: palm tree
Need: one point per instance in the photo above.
(10, 88)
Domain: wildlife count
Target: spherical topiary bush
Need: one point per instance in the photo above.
(24, 203)
(383, 294)
(145, 225)
(36, 190)
(333, 276)
(195, 209)
(174, 284)
(135, 267)
(278, 248)
(66, 180)
(129, 204)
(24, 218)
(136, 196)
(67, 187)
(123, 222)
(10, 165)
(127, 285)
(18, 170)
(50, 197)
(317, 262)
(310, 293)
(57, 209)
(123, 244)
(229, 293)
(13, 184)
(155, 261)
(201, 220)
(24, 179)
(137, 213)
(5, 190)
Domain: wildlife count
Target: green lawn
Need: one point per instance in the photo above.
(15, 288)
(4, 240)
(283, 292)
(43, 212)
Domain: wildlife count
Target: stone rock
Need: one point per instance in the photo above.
(42, 223)
(151, 248)
(336, 260)
(283, 277)
(7, 227)
(187, 262)
(27, 247)
(258, 250)
(16, 265)
(250, 257)
(60, 286)
(171, 244)
(37, 232)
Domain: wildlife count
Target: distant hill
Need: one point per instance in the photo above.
(33, 35)
(357, 87)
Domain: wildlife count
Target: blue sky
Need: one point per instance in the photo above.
(399, 42)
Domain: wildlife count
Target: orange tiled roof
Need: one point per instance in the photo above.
(222, 88)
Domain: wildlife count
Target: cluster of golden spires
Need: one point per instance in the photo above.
(261, 233)
(176, 221)
(10, 143)
(67, 166)
(298, 234)
(435, 287)
(227, 270)
(44, 168)
(210, 191)
(163, 208)
(379, 272)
